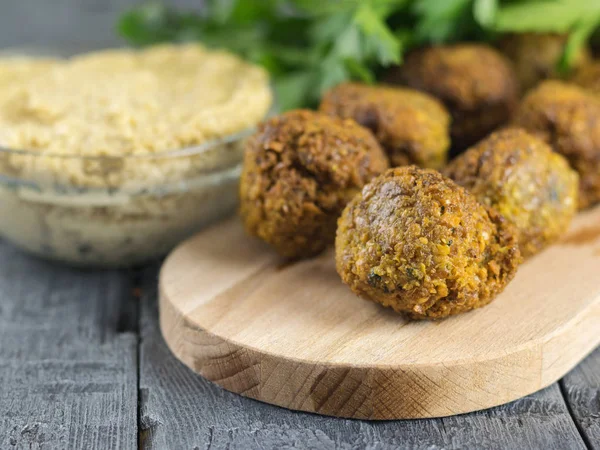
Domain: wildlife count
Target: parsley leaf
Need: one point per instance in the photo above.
(309, 46)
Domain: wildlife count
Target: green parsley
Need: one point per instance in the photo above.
(309, 46)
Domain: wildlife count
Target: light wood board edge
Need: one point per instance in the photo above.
(380, 393)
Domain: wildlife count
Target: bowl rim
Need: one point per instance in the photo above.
(174, 153)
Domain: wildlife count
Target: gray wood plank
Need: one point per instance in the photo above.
(181, 410)
(66, 24)
(581, 388)
(67, 345)
(68, 356)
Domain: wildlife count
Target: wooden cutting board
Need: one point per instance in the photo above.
(293, 335)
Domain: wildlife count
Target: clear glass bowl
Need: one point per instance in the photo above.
(115, 211)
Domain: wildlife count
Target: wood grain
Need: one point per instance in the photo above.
(67, 357)
(581, 388)
(183, 410)
(295, 336)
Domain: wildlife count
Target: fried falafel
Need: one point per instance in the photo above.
(477, 84)
(411, 126)
(417, 242)
(521, 177)
(568, 118)
(300, 169)
(588, 77)
(535, 56)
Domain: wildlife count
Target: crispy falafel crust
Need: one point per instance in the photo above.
(568, 118)
(477, 84)
(300, 170)
(411, 126)
(417, 242)
(521, 177)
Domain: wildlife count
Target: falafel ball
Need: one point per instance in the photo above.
(588, 77)
(477, 84)
(536, 55)
(411, 126)
(300, 170)
(568, 118)
(521, 177)
(417, 242)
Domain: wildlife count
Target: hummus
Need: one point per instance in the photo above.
(124, 153)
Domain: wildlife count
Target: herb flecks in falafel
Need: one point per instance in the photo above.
(417, 242)
(521, 177)
(300, 169)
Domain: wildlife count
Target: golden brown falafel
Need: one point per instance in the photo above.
(524, 180)
(568, 118)
(588, 77)
(536, 55)
(476, 83)
(300, 170)
(411, 126)
(417, 242)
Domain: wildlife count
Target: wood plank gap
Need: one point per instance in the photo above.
(68, 356)
(137, 283)
(580, 430)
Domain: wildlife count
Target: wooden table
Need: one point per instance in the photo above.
(83, 365)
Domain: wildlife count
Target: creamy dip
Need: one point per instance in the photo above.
(124, 152)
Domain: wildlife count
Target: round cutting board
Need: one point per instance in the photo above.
(293, 335)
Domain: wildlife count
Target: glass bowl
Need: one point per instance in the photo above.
(115, 211)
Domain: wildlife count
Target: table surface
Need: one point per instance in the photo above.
(83, 364)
